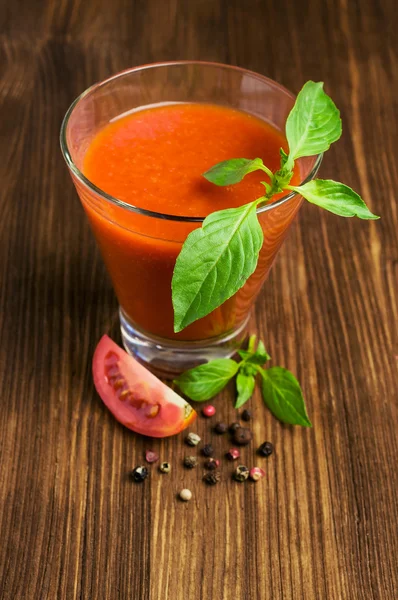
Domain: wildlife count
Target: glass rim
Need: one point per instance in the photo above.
(150, 213)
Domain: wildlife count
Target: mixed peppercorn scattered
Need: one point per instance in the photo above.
(139, 474)
(241, 436)
(209, 410)
(207, 450)
(266, 449)
(241, 473)
(190, 462)
(211, 464)
(185, 495)
(221, 428)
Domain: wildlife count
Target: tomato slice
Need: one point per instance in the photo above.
(135, 397)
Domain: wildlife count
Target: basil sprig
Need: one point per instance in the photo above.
(217, 259)
(280, 389)
(214, 262)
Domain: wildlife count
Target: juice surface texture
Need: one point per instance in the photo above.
(154, 159)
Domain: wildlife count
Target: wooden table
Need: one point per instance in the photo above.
(322, 525)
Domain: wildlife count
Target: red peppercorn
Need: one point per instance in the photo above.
(256, 473)
(233, 454)
(211, 464)
(151, 456)
(209, 410)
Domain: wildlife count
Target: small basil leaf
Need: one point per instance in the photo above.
(283, 396)
(245, 387)
(261, 354)
(205, 381)
(336, 197)
(232, 171)
(258, 357)
(215, 262)
(313, 123)
(284, 157)
(248, 368)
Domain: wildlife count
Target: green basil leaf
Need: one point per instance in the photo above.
(245, 353)
(205, 381)
(283, 396)
(215, 262)
(258, 357)
(232, 171)
(245, 387)
(261, 354)
(335, 197)
(313, 123)
(284, 157)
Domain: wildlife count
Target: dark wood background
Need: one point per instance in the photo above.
(323, 523)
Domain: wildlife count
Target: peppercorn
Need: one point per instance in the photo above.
(246, 415)
(233, 454)
(165, 467)
(209, 410)
(190, 462)
(233, 427)
(151, 456)
(185, 495)
(256, 473)
(211, 464)
(221, 428)
(211, 478)
(241, 473)
(242, 436)
(139, 474)
(192, 439)
(265, 449)
(207, 450)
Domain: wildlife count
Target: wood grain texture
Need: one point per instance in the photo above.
(323, 523)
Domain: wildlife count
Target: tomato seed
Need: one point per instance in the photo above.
(153, 411)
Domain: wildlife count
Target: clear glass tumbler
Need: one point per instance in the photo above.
(139, 246)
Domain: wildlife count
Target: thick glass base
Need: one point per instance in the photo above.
(167, 358)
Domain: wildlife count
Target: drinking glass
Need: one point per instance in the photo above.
(139, 247)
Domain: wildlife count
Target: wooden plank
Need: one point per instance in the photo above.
(323, 524)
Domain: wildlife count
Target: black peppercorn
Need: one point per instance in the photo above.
(190, 462)
(233, 427)
(221, 428)
(246, 415)
(211, 478)
(139, 474)
(266, 449)
(207, 450)
(242, 436)
(211, 464)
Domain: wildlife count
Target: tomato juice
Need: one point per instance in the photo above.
(153, 159)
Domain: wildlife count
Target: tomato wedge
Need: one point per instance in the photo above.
(135, 397)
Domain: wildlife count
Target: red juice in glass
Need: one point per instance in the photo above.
(139, 175)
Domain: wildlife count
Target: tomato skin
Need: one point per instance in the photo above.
(136, 397)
